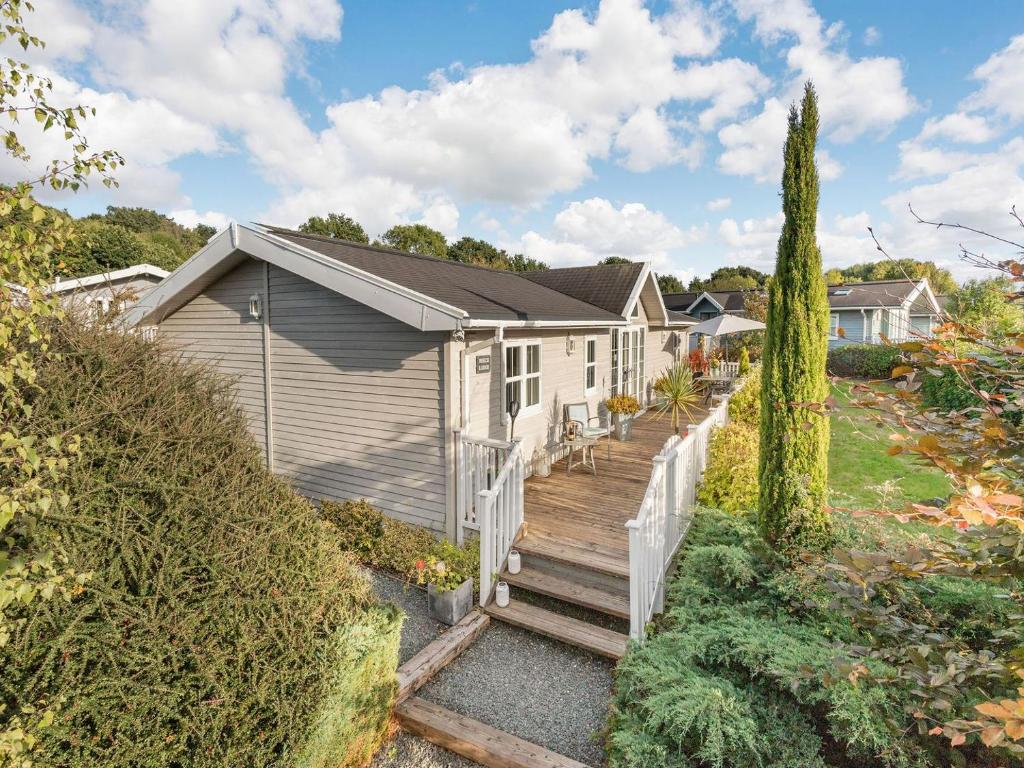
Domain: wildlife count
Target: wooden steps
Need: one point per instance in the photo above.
(478, 741)
(571, 590)
(418, 670)
(603, 642)
(576, 555)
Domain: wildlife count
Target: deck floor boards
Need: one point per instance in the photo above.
(589, 512)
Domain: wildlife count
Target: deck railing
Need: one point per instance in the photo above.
(479, 462)
(732, 370)
(665, 514)
(500, 516)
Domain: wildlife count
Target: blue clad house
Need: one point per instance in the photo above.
(861, 313)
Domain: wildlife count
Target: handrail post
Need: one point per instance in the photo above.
(660, 533)
(485, 518)
(460, 488)
(636, 607)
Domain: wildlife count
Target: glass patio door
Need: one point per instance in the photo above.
(628, 363)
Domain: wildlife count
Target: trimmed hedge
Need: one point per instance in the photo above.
(865, 361)
(223, 625)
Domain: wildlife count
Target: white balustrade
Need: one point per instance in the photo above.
(499, 514)
(479, 462)
(665, 514)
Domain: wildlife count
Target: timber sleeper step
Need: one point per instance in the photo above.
(570, 591)
(603, 642)
(478, 741)
(573, 555)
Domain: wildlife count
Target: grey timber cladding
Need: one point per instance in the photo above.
(358, 406)
(215, 328)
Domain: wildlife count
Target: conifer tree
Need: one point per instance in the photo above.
(793, 470)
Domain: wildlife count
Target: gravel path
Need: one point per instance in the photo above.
(538, 689)
(418, 630)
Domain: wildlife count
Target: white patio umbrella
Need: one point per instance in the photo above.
(723, 325)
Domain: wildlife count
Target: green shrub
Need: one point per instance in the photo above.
(864, 361)
(223, 625)
(730, 477)
(745, 403)
(376, 539)
(744, 367)
(741, 670)
(383, 542)
(946, 392)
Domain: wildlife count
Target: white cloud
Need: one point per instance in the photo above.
(589, 230)
(1002, 82)
(872, 36)
(856, 97)
(189, 217)
(719, 203)
(599, 85)
(647, 141)
(958, 126)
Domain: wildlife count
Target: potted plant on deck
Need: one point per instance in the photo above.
(449, 583)
(677, 394)
(622, 408)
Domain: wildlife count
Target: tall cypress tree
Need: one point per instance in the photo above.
(794, 440)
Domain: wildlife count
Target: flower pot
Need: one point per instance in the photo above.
(622, 425)
(451, 606)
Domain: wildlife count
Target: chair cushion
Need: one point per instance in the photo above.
(594, 431)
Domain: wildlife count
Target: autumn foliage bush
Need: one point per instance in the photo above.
(222, 624)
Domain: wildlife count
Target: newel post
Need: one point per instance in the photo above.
(661, 521)
(485, 519)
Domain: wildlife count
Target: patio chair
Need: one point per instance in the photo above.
(580, 414)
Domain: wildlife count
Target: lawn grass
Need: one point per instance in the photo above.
(858, 464)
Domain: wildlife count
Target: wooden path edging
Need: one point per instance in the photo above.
(418, 670)
(478, 741)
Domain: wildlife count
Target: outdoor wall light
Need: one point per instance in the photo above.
(255, 306)
(570, 345)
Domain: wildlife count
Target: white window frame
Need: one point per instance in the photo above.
(833, 325)
(524, 410)
(589, 364)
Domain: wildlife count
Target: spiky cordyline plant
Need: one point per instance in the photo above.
(678, 394)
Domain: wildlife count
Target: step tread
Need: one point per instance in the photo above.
(478, 741)
(570, 591)
(571, 554)
(604, 642)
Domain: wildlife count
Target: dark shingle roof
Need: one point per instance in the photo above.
(486, 294)
(679, 301)
(608, 286)
(731, 301)
(680, 317)
(877, 293)
(922, 306)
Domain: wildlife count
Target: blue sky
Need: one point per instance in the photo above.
(566, 131)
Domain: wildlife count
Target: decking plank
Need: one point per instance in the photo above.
(603, 642)
(590, 512)
(475, 740)
(571, 591)
(418, 670)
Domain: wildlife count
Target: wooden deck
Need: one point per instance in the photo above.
(583, 515)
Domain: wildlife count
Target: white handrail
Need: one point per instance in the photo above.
(480, 459)
(500, 516)
(664, 516)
